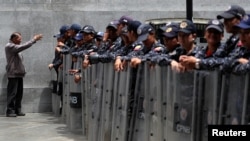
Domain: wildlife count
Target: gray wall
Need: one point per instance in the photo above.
(46, 16)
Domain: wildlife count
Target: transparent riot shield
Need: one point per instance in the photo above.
(153, 102)
(167, 101)
(56, 99)
(65, 88)
(116, 107)
(94, 101)
(137, 126)
(107, 102)
(86, 98)
(85, 89)
(246, 103)
(148, 100)
(234, 99)
(208, 86)
(180, 124)
(75, 99)
(120, 105)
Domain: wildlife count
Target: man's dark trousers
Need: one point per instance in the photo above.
(14, 94)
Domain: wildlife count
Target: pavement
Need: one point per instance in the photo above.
(36, 127)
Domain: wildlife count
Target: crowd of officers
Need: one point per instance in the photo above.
(127, 40)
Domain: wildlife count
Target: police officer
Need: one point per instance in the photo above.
(126, 46)
(170, 36)
(61, 38)
(89, 43)
(123, 22)
(241, 63)
(151, 47)
(170, 40)
(62, 46)
(76, 50)
(231, 17)
(75, 54)
(186, 38)
(213, 35)
(69, 41)
(128, 52)
(98, 38)
(111, 43)
(74, 29)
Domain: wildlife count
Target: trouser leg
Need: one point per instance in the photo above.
(60, 93)
(19, 95)
(11, 93)
(60, 88)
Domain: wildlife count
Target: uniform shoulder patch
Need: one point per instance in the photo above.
(239, 44)
(172, 53)
(111, 46)
(138, 47)
(157, 49)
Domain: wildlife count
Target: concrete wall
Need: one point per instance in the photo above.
(46, 16)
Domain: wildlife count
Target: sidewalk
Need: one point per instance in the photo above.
(36, 127)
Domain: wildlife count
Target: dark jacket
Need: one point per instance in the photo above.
(210, 62)
(165, 59)
(231, 63)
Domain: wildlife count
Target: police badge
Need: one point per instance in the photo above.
(183, 25)
(169, 29)
(215, 22)
(139, 31)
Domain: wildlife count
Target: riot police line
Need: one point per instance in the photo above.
(150, 104)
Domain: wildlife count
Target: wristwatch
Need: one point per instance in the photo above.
(197, 64)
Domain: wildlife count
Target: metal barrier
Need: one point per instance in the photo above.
(159, 104)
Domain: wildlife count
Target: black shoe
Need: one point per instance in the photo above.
(10, 115)
(20, 114)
